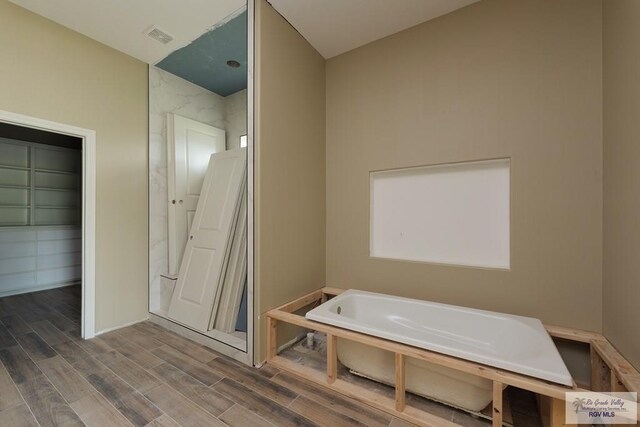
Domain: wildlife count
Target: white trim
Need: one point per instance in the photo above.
(214, 344)
(89, 235)
(88, 206)
(229, 340)
(250, 182)
(170, 140)
(115, 328)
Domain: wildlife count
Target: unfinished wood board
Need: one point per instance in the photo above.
(315, 359)
(379, 401)
(600, 373)
(197, 291)
(619, 366)
(400, 382)
(332, 358)
(572, 334)
(497, 404)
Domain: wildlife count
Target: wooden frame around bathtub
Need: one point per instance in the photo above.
(610, 371)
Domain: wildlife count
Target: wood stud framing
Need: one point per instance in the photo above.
(609, 370)
(401, 381)
(332, 358)
(557, 413)
(497, 404)
(272, 337)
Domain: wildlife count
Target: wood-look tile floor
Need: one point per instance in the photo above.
(144, 375)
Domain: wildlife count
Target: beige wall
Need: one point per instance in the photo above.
(53, 73)
(500, 78)
(289, 166)
(621, 285)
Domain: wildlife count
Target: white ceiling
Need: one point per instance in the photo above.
(120, 23)
(337, 26)
(331, 26)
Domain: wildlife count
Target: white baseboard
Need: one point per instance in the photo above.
(115, 328)
(38, 288)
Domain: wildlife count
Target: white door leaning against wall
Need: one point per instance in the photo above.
(189, 146)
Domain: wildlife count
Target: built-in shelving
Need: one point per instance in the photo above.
(43, 181)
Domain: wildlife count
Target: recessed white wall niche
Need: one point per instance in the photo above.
(455, 213)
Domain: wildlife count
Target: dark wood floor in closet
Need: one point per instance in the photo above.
(144, 375)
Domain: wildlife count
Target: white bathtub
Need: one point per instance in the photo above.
(514, 343)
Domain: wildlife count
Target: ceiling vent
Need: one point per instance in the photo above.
(158, 34)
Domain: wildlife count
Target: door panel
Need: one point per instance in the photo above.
(193, 290)
(190, 144)
(198, 289)
(235, 276)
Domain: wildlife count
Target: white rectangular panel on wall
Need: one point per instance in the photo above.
(447, 214)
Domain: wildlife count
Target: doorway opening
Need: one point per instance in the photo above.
(201, 187)
(47, 228)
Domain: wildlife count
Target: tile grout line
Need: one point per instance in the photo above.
(272, 400)
(41, 371)
(201, 383)
(93, 388)
(291, 403)
(95, 359)
(227, 410)
(266, 397)
(19, 392)
(246, 409)
(123, 380)
(149, 370)
(164, 382)
(82, 376)
(16, 385)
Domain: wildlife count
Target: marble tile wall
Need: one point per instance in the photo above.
(171, 94)
(236, 118)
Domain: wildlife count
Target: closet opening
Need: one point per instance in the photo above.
(47, 228)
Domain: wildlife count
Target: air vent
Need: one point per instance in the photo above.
(158, 34)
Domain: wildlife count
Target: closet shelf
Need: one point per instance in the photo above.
(15, 187)
(16, 168)
(56, 172)
(56, 189)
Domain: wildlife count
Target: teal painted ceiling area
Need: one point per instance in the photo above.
(204, 61)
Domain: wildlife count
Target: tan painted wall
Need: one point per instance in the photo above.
(500, 78)
(53, 73)
(289, 166)
(621, 66)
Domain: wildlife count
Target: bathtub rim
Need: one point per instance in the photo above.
(323, 314)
